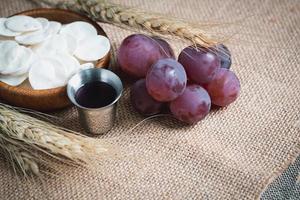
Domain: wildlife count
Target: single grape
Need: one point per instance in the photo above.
(200, 64)
(165, 47)
(192, 106)
(137, 54)
(142, 101)
(224, 88)
(166, 80)
(224, 55)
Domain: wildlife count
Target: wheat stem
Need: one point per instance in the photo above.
(20, 159)
(30, 142)
(123, 16)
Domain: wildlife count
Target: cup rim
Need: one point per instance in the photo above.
(72, 99)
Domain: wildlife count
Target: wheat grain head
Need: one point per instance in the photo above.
(28, 139)
(126, 17)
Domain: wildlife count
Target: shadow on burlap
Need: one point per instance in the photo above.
(232, 154)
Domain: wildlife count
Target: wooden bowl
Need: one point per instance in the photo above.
(52, 99)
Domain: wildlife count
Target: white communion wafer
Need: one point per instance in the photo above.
(53, 45)
(92, 48)
(13, 80)
(8, 50)
(46, 73)
(71, 43)
(32, 38)
(87, 66)
(21, 23)
(4, 31)
(80, 29)
(23, 57)
(25, 69)
(52, 30)
(54, 27)
(69, 63)
(44, 22)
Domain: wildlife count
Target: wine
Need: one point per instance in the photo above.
(95, 94)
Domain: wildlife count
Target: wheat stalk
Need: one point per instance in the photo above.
(123, 16)
(19, 159)
(31, 142)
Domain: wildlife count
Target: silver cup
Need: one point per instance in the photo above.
(99, 120)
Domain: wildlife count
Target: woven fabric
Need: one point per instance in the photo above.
(232, 154)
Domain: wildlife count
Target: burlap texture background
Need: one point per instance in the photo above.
(233, 153)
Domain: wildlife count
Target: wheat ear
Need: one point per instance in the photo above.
(20, 160)
(30, 140)
(120, 15)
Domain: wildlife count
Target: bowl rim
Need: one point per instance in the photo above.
(58, 90)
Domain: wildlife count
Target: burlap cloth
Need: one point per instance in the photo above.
(233, 153)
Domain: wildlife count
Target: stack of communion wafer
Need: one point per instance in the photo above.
(47, 52)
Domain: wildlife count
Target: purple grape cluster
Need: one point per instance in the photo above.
(138, 53)
(142, 101)
(189, 86)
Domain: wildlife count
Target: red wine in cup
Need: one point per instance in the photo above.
(95, 94)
